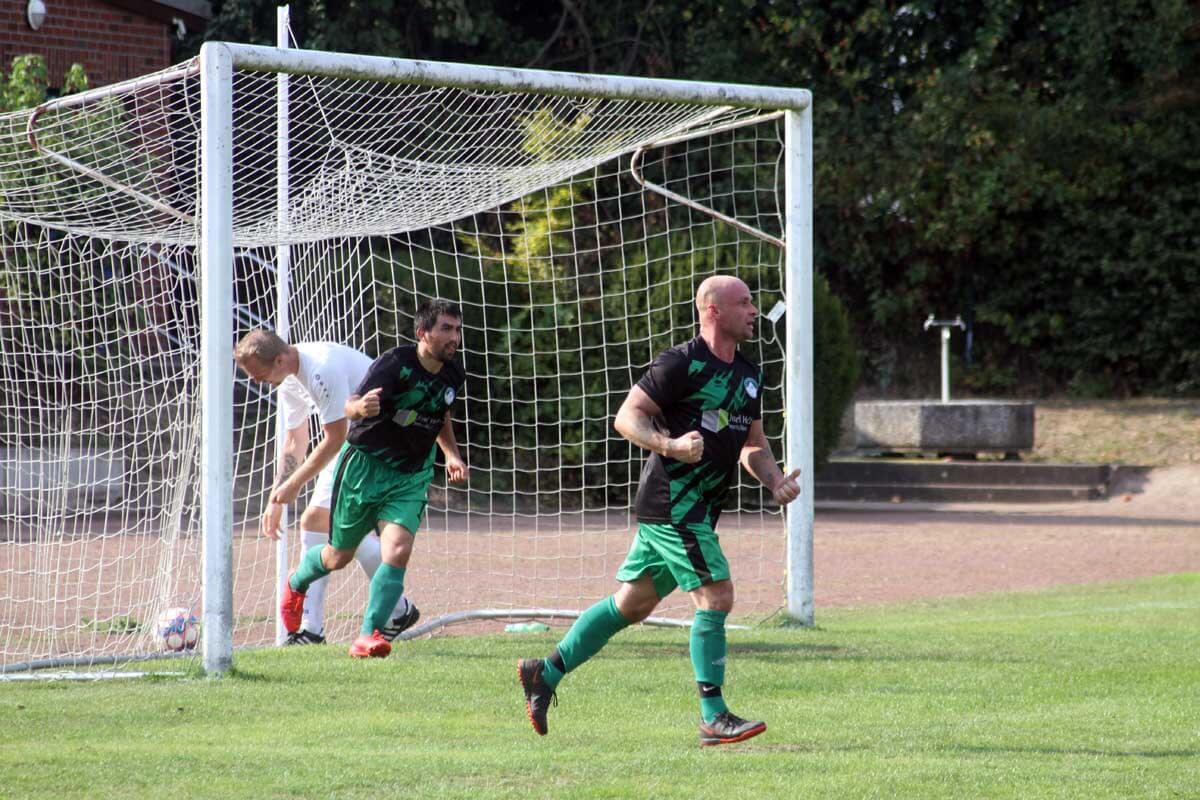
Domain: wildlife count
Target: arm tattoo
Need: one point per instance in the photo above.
(290, 465)
(645, 435)
(761, 464)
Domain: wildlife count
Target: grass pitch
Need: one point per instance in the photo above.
(1086, 692)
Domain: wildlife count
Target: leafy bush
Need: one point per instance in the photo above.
(835, 368)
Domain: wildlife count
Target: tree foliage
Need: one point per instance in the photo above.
(1030, 164)
(27, 84)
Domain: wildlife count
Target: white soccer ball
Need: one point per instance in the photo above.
(178, 629)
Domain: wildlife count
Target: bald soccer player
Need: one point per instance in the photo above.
(697, 410)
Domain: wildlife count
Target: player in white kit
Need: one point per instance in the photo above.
(312, 377)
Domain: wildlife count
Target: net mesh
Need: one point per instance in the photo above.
(517, 206)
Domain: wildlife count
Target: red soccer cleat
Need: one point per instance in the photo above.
(371, 646)
(291, 607)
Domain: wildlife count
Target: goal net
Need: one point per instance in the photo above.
(572, 272)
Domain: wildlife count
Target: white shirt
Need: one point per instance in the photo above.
(329, 373)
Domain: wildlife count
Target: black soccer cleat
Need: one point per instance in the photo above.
(538, 696)
(304, 637)
(398, 625)
(727, 728)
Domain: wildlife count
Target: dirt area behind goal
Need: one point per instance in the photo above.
(879, 553)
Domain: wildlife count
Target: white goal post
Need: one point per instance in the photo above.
(217, 64)
(508, 191)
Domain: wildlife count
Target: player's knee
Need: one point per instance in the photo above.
(717, 596)
(635, 605)
(396, 555)
(635, 611)
(725, 597)
(395, 546)
(641, 612)
(315, 519)
(336, 559)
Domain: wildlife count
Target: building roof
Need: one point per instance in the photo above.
(195, 14)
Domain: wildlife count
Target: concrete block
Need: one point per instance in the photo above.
(960, 426)
(76, 480)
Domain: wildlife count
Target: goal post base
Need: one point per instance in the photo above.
(461, 617)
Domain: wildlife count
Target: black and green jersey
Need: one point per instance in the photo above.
(412, 408)
(697, 392)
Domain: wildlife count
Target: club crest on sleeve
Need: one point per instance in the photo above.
(751, 387)
(449, 395)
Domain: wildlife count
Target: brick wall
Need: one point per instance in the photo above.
(111, 43)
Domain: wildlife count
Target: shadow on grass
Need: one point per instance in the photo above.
(757, 745)
(637, 648)
(1074, 751)
(775, 652)
(643, 649)
(243, 675)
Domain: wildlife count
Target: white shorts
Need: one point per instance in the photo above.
(322, 495)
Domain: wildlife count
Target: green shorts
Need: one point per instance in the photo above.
(685, 556)
(366, 490)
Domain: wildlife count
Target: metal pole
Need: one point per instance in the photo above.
(945, 325)
(283, 278)
(798, 284)
(945, 365)
(216, 354)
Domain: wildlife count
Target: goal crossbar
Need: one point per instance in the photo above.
(470, 76)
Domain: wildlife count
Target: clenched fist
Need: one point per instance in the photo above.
(368, 404)
(687, 448)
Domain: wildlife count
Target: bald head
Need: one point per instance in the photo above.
(714, 289)
(726, 309)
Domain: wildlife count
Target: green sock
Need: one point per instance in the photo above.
(590, 632)
(708, 660)
(386, 588)
(310, 569)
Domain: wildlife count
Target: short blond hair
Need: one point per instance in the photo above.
(262, 345)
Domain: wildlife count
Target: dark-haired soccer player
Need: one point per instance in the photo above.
(312, 377)
(697, 409)
(399, 411)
